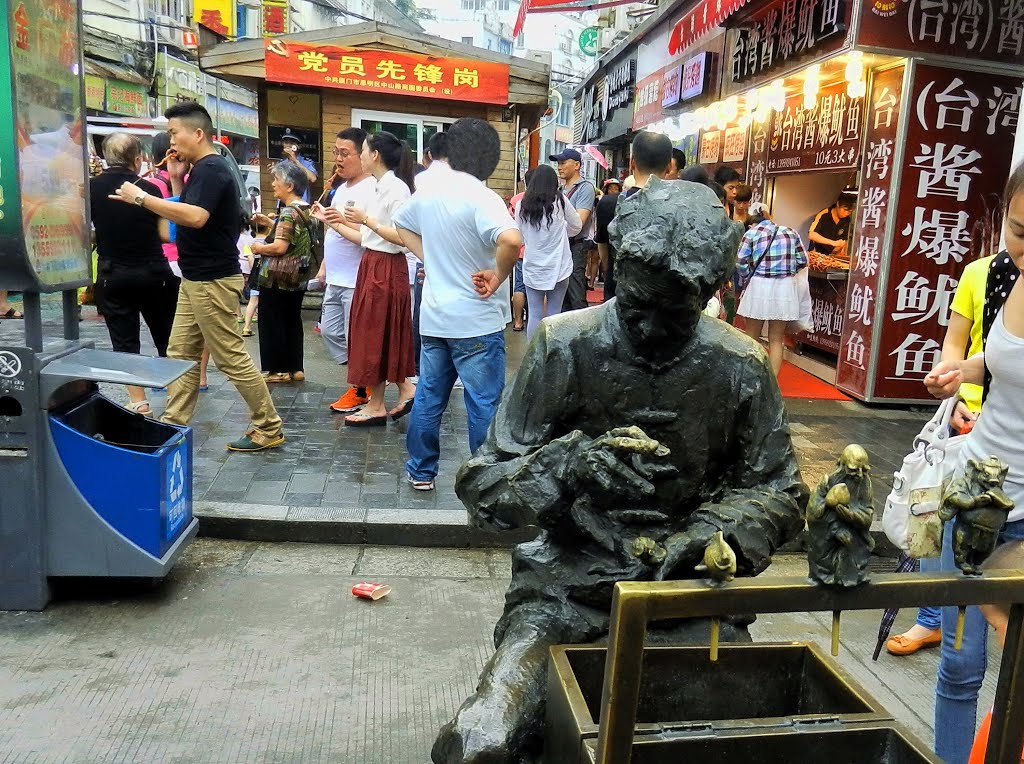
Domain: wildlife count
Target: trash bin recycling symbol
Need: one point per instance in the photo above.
(177, 478)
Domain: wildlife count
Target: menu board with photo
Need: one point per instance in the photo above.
(44, 226)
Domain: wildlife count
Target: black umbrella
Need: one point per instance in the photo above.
(905, 564)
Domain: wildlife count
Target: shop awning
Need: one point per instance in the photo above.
(707, 15)
(110, 70)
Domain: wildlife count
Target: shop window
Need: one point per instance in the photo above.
(504, 5)
(467, 40)
(547, 148)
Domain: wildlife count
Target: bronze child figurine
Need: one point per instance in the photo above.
(977, 501)
(839, 517)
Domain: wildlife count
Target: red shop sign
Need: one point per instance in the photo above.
(380, 71)
(854, 352)
(958, 152)
(990, 30)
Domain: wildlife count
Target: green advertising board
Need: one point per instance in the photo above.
(44, 221)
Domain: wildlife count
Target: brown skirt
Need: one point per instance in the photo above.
(380, 330)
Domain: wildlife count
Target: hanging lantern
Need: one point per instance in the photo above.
(855, 66)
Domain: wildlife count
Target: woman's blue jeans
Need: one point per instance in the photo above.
(961, 672)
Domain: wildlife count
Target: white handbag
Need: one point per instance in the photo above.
(911, 515)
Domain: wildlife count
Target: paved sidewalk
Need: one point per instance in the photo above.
(335, 483)
(257, 652)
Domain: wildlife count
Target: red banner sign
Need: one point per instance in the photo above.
(695, 24)
(958, 152)
(854, 355)
(826, 137)
(380, 71)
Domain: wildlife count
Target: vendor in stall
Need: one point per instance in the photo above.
(830, 230)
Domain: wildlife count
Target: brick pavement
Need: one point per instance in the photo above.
(256, 652)
(328, 476)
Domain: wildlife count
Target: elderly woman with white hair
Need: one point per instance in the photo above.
(287, 258)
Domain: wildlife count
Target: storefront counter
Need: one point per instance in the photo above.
(828, 303)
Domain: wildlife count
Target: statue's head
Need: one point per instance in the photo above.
(675, 247)
(990, 472)
(854, 460)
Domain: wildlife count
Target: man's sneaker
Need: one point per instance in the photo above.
(421, 485)
(349, 402)
(255, 441)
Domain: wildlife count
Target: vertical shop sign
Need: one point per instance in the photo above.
(734, 148)
(826, 137)
(872, 212)
(275, 17)
(757, 177)
(958, 152)
(710, 147)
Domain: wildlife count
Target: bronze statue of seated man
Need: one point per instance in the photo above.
(633, 433)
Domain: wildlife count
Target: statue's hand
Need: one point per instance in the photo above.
(684, 551)
(619, 466)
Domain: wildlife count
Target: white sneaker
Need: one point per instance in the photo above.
(458, 382)
(421, 485)
(413, 380)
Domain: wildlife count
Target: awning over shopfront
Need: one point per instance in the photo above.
(706, 16)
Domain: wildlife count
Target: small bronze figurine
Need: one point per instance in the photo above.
(719, 560)
(839, 517)
(977, 500)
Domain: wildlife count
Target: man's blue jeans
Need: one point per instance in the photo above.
(480, 363)
(961, 673)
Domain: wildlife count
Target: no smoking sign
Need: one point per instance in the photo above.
(10, 365)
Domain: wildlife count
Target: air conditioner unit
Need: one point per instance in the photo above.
(172, 32)
(607, 39)
(621, 22)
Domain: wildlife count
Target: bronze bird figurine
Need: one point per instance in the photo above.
(719, 560)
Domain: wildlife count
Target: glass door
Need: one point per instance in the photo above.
(411, 128)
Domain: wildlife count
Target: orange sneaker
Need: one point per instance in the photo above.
(349, 402)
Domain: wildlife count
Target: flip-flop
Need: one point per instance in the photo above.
(279, 377)
(247, 332)
(518, 328)
(12, 313)
(403, 408)
(363, 420)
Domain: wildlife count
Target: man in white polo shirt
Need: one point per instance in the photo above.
(343, 252)
(469, 244)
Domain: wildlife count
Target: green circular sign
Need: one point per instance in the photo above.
(589, 40)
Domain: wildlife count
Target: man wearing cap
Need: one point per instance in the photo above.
(291, 146)
(582, 195)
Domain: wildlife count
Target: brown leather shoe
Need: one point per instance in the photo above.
(901, 645)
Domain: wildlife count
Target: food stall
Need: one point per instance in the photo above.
(912, 105)
(378, 77)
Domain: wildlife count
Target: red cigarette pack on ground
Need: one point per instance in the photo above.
(369, 591)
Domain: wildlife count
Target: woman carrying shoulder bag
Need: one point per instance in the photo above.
(284, 270)
(773, 269)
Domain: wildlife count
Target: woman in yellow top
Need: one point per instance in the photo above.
(963, 339)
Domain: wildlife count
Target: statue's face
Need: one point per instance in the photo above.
(854, 460)
(656, 310)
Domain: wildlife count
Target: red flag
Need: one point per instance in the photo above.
(520, 19)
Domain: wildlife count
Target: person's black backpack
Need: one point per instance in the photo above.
(245, 208)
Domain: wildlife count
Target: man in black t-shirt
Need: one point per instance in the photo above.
(208, 225)
(831, 227)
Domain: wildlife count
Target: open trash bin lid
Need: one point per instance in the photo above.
(107, 366)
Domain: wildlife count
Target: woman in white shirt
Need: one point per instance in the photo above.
(546, 220)
(380, 330)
